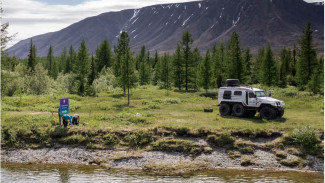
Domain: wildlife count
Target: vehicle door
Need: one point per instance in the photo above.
(251, 99)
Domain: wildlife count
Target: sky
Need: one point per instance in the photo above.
(29, 18)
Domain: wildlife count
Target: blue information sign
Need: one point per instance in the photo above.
(64, 106)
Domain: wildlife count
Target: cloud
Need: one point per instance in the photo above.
(29, 18)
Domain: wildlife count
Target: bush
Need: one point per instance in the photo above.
(110, 139)
(139, 139)
(105, 82)
(306, 137)
(221, 141)
(172, 100)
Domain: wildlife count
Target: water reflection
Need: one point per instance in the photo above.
(14, 172)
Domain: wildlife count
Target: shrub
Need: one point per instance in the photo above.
(139, 139)
(172, 100)
(222, 140)
(110, 139)
(306, 137)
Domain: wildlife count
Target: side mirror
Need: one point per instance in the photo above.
(270, 94)
(255, 96)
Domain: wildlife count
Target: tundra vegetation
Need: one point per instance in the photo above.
(156, 103)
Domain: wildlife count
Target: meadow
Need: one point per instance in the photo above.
(153, 107)
(159, 119)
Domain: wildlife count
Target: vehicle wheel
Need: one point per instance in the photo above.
(280, 113)
(268, 112)
(238, 110)
(224, 109)
(250, 113)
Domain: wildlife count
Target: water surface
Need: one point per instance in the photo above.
(27, 173)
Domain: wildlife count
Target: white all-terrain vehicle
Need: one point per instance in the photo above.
(246, 101)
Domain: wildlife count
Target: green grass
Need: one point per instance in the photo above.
(33, 117)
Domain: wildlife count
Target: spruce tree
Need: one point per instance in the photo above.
(55, 70)
(82, 68)
(50, 62)
(103, 56)
(178, 68)
(143, 66)
(92, 75)
(205, 73)
(247, 62)
(155, 60)
(234, 57)
(314, 84)
(157, 70)
(196, 57)
(285, 59)
(292, 65)
(166, 72)
(32, 57)
(187, 56)
(307, 60)
(71, 60)
(127, 78)
(63, 60)
(257, 66)
(220, 65)
(269, 70)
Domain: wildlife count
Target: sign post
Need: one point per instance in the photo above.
(64, 106)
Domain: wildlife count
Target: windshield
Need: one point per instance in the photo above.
(260, 94)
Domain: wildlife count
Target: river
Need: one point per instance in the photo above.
(31, 173)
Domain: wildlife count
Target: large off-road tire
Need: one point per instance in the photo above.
(268, 112)
(238, 110)
(225, 109)
(250, 113)
(280, 113)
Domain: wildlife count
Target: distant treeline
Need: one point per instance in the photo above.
(87, 74)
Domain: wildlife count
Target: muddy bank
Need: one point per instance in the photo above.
(158, 161)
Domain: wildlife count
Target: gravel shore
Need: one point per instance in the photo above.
(123, 159)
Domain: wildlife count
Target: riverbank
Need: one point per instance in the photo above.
(165, 163)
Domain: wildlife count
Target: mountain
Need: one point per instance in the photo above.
(160, 27)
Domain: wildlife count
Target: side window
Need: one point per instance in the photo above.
(251, 95)
(227, 94)
(238, 93)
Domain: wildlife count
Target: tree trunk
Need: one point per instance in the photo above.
(128, 96)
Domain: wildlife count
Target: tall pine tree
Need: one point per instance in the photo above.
(82, 68)
(307, 60)
(219, 65)
(50, 62)
(196, 57)
(143, 67)
(71, 60)
(257, 66)
(178, 68)
(92, 75)
(127, 78)
(63, 60)
(205, 73)
(32, 57)
(269, 69)
(103, 56)
(234, 57)
(166, 72)
(187, 53)
(247, 62)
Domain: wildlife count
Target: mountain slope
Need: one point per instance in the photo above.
(160, 27)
